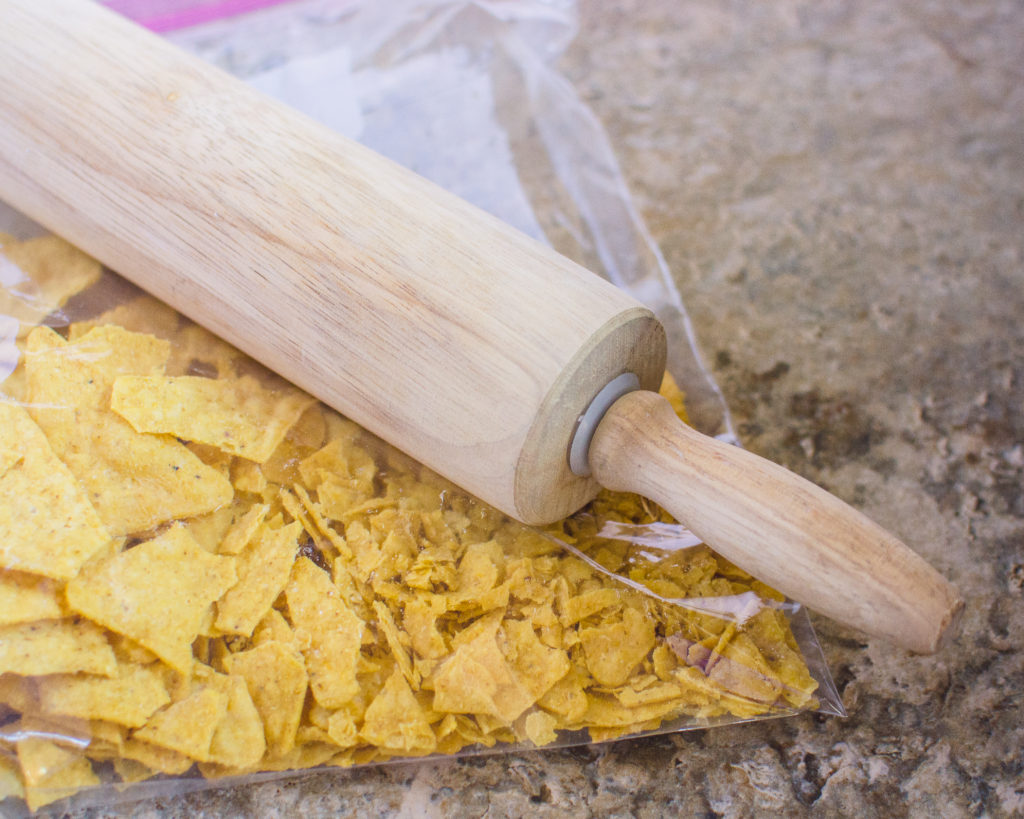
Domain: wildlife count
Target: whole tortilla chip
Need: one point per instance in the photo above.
(238, 415)
(158, 593)
(47, 525)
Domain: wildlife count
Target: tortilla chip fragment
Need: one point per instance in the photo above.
(26, 597)
(10, 781)
(47, 525)
(276, 679)
(187, 727)
(81, 373)
(334, 633)
(395, 721)
(51, 772)
(263, 569)
(127, 698)
(134, 481)
(156, 593)
(242, 529)
(476, 679)
(40, 275)
(238, 416)
(239, 740)
(613, 651)
(55, 647)
(540, 728)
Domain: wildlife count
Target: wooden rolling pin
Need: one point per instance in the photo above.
(476, 350)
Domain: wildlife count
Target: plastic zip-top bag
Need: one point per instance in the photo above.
(206, 575)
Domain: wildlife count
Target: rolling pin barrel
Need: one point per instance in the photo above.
(471, 347)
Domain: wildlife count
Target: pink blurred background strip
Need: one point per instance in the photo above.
(168, 15)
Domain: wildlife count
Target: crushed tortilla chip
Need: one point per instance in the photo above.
(263, 569)
(128, 697)
(187, 727)
(333, 630)
(233, 577)
(42, 503)
(156, 593)
(55, 647)
(238, 416)
(26, 597)
(276, 679)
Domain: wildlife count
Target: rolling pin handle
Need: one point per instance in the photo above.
(776, 525)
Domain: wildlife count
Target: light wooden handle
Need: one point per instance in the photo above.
(774, 524)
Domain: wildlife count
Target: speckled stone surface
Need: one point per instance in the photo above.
(839, 189)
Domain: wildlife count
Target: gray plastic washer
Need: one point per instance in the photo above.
(586, 424)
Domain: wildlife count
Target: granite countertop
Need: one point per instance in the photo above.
(839, 190)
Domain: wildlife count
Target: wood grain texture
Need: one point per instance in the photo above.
(434, 325)
(466, 344)
(779, 527)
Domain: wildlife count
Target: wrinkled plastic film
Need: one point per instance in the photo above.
(463, 93)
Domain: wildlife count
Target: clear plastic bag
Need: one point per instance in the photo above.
(472, 633)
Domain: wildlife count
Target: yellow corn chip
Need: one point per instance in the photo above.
(238, 416)
(19, 693)
(26, 597)
(239, 740)
(210, 529)
(55, 647)
(335, 633)
(566, 699)
(396, 722)
(162, 760)
(134, 481)
(613, 651)
(540, 728)
(242, 529)
(605, 712)
(187, 727)
(276, 679)
(51, 772)
(476, 679)
(537, 666)
(40, 275)
(386, 624)
(80, 374)
(10, 781)
(47, 525)
(131, 771)
(8, 458)
(197, 351)
(274, 627)
(128, 697)
(247, 476)
(263, 569)
(157, 593)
